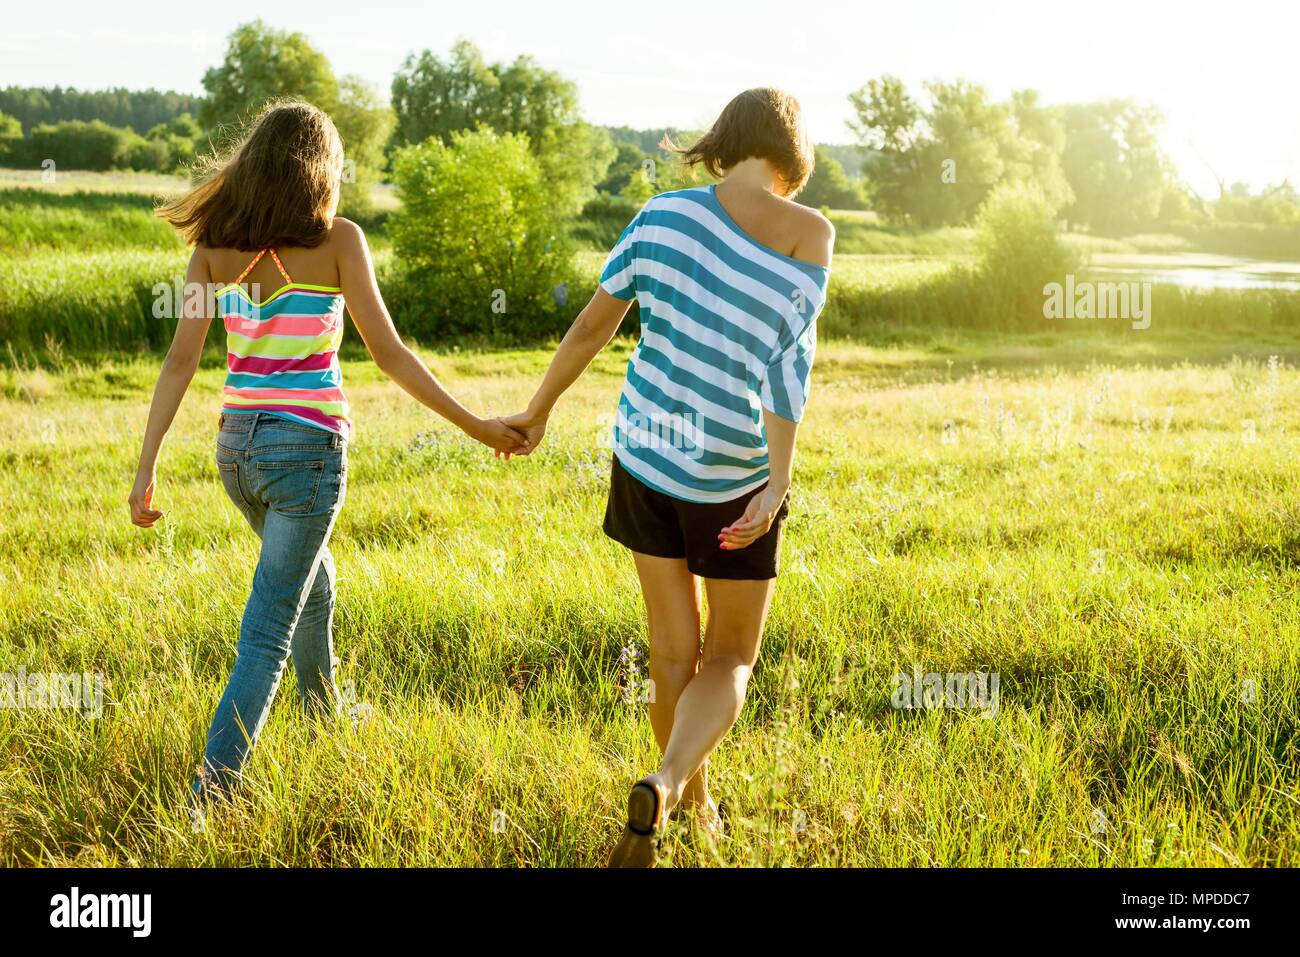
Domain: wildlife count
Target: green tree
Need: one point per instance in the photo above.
(1114, 164)
(438, 98)
(830, 186)
(180, 138)
(1278, 204)
(1034, 148)
(137, 109)
(629, 161)
(76, 145)
(11, 136)
(888, 122)
(263, 63)
(480, 235)
(365, 123)
(936, 163)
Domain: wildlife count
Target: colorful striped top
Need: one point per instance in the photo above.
(282, 352)
(728, 328)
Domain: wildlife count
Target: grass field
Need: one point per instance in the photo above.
(1105, 519)
(1117, 542)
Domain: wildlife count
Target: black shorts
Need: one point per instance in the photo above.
(652, 523)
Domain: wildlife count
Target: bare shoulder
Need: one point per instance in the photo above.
(812, 223)
(814, 233)
(344, 233)
(347, 241)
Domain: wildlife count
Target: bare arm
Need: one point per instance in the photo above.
(590, 333)
(816, 245)
(762, 508)
(399, 363)
(173, 382)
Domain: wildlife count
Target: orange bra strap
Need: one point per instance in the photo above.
(249, 268)
(257, 259)
(280, 266)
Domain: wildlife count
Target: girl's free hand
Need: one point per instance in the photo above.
(141, 501)
(753, 525)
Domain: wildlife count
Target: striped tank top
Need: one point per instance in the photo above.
(728, 328)
(282, 352)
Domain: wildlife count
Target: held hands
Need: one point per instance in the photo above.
(141, 501)
(501, 438)
(531, 424)
(753, 525)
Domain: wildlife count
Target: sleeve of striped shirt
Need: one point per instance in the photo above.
(618, 278)
(788, 376)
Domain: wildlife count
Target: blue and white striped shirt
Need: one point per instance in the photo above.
(728, 328)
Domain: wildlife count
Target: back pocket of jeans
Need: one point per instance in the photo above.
(230, 482)
(290, 486)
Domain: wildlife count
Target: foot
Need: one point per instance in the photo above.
(709, 816)
(646, 813)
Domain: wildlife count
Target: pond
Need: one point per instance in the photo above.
(1197, 270)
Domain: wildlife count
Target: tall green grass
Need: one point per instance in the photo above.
(106, 300)
(32, 219)
(1111, 539)
(869, 299)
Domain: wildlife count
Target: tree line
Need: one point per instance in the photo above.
(922, 158)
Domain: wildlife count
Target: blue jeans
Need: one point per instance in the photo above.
(288, 479)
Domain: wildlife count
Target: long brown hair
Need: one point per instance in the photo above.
(277, 186)
(764, 123)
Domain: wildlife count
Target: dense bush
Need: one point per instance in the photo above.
(11, 136)
(482, 245)
(74, 144)
(831, 186)
(602, 221)
(96, 146)
(1260, 240)
(1018, 250)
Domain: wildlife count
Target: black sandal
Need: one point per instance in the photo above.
(639, 844)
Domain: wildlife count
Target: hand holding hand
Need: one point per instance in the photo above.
(501, 438)
(531, 424)
(753, 525)
(141, 501)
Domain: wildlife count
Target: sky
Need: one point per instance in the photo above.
(1225, 75)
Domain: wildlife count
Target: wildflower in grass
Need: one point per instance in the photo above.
(362, 714)
(1099, 823)
(629, 670)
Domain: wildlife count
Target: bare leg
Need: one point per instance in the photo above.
(711, 702)
(672, 603)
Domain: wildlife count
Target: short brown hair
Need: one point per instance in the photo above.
(764, 123)
(278, 185)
